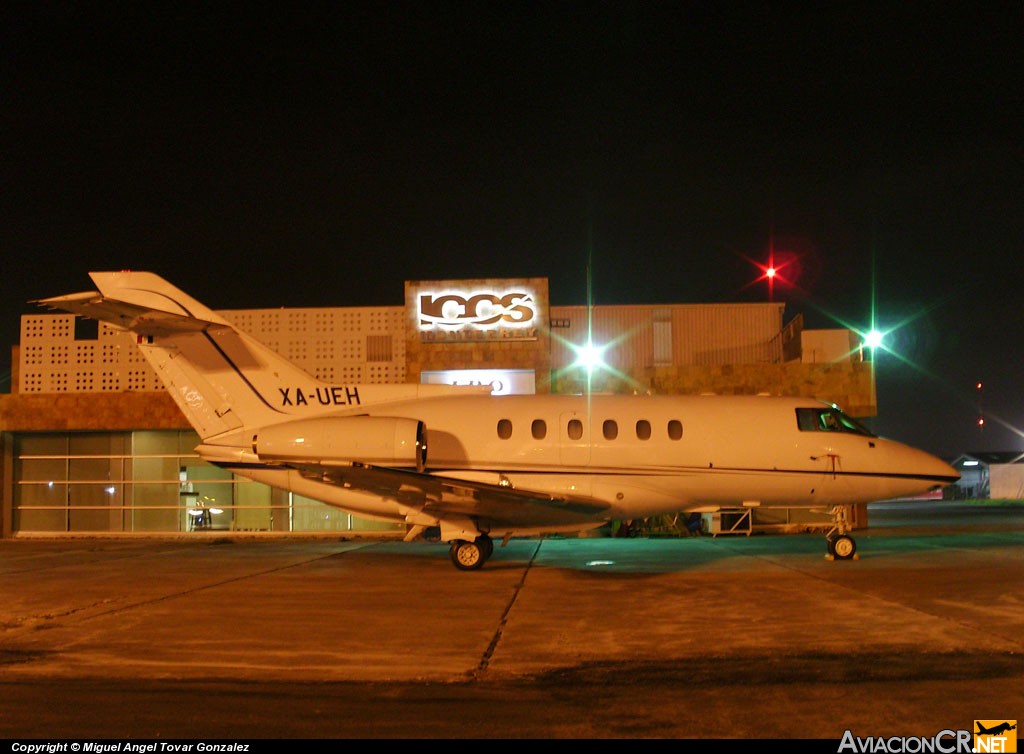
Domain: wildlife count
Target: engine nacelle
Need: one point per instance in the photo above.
(373, 440)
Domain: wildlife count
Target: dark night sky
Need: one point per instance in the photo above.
(304, 158)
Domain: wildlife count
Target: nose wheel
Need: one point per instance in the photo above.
(841, 546)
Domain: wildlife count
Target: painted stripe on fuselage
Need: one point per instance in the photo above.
(443, 473)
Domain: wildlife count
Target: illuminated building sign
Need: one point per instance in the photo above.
(477, 314)
(502, 381)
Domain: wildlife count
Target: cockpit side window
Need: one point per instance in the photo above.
(828, 419)
(807, 419)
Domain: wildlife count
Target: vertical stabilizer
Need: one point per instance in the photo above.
(221, 378)
(224, 380)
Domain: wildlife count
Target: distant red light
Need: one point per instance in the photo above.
(782, 267)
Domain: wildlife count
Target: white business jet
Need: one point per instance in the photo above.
(479, 467)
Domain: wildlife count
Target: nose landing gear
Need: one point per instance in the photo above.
(841, 546)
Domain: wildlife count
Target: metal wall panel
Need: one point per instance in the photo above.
(701, 334)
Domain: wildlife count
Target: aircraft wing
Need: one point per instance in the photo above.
(493, 505)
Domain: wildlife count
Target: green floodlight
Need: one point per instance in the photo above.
(873, 339)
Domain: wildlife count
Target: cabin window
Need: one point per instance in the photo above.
(539, 429)
(611, 429)
(504, 428)
(643, 430)
(675, 429)
(575, 429)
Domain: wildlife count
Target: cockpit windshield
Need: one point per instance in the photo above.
(829, 419)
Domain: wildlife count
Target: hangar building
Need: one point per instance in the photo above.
(996, 476)
(91, 443)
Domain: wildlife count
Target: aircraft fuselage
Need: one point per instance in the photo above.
(643, 455)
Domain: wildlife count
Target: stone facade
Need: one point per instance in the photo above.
(533, 353)
(100, 412)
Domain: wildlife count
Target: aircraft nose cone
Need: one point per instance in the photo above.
(941, 471)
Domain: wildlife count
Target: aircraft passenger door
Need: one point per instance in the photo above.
(574, 438)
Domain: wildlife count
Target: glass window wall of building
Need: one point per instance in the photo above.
(151, 481)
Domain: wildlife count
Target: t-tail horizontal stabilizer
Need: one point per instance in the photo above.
(141, 302)
(221, 378)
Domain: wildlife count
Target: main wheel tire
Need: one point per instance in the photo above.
(467, 556)
(843, 547)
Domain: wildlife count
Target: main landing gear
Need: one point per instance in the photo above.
(471, 556)
(841, 546)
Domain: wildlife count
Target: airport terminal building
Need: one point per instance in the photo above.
(91, 442)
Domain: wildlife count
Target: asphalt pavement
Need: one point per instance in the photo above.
(728, 637)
